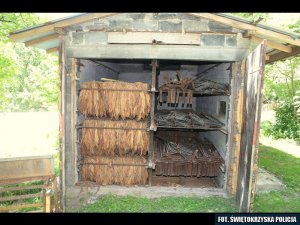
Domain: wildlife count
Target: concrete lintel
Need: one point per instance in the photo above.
(175, 52)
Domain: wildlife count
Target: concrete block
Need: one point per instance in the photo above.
(212, 40)
(186, 16)
(170, 26)
(74, 28)
(104, 22)
(231, 40)
(77, 37)
(193, 25)
(119, 16)
(213, 26)
(99, 24)
(145, 25)
(95, 37)
(165, 16)
(140, 16)
(120, 24)
(243, 42)
(67, 38)
(81, 27)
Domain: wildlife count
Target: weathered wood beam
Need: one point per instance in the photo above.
(283, 55)
(252, 28)
(50, 26)
(272, 44)
(180, 52)
(51, 50)
(153, 37)
(41, 40)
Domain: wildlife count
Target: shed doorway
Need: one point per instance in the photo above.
(187, 134)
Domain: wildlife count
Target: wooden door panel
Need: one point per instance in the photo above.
(250, 128)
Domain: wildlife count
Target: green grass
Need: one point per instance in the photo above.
(111, 203)
(277, 201)
(22, 192)
(287, 168)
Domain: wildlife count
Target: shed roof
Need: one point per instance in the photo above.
(281, 44)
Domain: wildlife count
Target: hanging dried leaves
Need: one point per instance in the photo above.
(116, 141)
(114, 99)
(115, 170)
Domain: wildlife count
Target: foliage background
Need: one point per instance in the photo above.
(28, 76)
(281, 86)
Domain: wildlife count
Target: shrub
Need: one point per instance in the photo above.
(296, 103)
(266, 128)
(286, 124)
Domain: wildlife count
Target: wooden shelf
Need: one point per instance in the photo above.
(201, 94)
(222, 129)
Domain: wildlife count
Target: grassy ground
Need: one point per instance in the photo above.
(287, 168)
(22, 192)
(110, 203)
(283, 165)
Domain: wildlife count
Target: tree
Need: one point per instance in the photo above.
(282, 85)
(282, 80)
(10, 22)
(254, 17)
(283, 77)
(28, 76)
(297, 103)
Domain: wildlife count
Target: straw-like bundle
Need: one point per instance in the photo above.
(111, 142)
(104, 171)
(96, 100)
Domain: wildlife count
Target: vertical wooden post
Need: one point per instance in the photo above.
(55, 194)
(77, 115)
(72, 119)
(48, 201)
(153, 89)
(235, 126)
(44, 199)
(62, 74)
(152, 118)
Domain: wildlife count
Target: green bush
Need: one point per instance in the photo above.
(266, 128)
(286, 124)
(296, 103)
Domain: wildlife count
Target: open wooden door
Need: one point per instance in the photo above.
(253, 85)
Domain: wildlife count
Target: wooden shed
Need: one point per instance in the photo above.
(222, 57)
